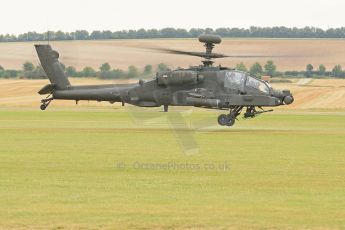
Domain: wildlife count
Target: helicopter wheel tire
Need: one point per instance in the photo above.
(223, 120)
(43, 107)
(231, 121)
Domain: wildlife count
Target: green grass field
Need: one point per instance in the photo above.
(105, 169)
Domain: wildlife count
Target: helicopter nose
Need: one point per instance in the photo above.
(284, 96)
(288, 100)
(287, 97)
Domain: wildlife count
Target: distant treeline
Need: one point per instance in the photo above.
(270, 69)
(105, 71)
(252, 32)
(30, 71)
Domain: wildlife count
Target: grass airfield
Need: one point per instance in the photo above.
(101, 166)
(97, 168)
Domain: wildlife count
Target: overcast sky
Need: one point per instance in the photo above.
(18, 16)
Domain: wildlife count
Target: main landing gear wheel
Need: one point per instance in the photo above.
(231, 121)
(223, 119)
(226, 120)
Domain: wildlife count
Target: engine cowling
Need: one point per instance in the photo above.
(178, 77)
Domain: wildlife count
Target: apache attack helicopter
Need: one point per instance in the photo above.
(206, 86)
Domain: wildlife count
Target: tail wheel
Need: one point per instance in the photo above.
(45, 102)
(43, 107)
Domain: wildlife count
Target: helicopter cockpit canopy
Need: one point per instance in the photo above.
(257, 84)
(234, 80)
(237, 80)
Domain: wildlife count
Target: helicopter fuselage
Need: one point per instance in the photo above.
(210, 87)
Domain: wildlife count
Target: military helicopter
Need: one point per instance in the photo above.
(205, 86)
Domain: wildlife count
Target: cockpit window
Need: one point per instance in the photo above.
(234, 80)
(256, 84)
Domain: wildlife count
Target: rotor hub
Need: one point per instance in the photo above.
(209, 41)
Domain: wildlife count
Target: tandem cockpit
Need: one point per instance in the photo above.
(245, 84)
(241, 81)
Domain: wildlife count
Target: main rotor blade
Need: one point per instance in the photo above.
(214, 55)
(256, 56)
(189, 53)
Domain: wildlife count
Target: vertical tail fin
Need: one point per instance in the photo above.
(50, 62)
